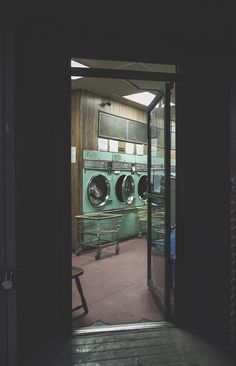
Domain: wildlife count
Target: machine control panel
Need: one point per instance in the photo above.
(118, 165)
(141, 167)
(97, 164)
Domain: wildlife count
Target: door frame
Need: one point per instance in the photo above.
(169, 79)
(8, 299)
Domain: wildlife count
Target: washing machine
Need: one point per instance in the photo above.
(96, 181)
(123, 168)
(96, 198)
(124, 193)
(141, 183)
(141, 180)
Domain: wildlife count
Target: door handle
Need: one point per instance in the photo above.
(7, 282)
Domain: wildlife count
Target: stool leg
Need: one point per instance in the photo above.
(79, 287)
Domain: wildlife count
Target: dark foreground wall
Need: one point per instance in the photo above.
(233, 210)
(203, 200)
(43, 187)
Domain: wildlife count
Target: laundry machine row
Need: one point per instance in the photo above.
(115, 182)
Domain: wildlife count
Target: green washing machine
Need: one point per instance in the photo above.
(141, 183)
(141, 180)
(124, 193)
(96, 181)
(96, 200)
(123, 181)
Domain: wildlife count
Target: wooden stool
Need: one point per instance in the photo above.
(76, 272)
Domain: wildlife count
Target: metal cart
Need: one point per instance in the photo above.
(157, 224)
(142, 216)
(96, 230)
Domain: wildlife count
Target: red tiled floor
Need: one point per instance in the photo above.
(115, 286)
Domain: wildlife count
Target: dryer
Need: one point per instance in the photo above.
(123, 167)
(141, 180)
(96, 181)
(124, 193)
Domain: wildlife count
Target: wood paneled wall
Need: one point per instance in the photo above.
(90, 106)
(85, 107)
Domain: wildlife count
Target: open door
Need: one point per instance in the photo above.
(159, 200)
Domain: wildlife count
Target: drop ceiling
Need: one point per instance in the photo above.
(116, 89)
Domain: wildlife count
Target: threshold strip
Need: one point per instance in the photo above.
(118, 328)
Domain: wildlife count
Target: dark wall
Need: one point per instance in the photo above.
(203, 195)
(43, 188)
(233, 209)
(3, 307)
(43, 193)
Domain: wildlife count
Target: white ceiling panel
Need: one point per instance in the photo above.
(117, 88)
(125, 65)
(104, 86)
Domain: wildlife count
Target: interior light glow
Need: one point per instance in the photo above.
(144, 98)
(161, 104)
(76, 64)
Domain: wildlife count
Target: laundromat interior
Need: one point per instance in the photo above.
(123, 184)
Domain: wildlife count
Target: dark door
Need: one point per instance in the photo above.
(8, 320)
(159, 200)
(34, 199)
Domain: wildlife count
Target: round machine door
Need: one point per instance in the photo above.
(142, 187)
(125, 189)
(98, 190)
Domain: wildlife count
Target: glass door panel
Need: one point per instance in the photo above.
(159, 201)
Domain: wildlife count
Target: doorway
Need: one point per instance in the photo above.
(124, 164)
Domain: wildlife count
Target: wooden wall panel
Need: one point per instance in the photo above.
(90, 106)
(89, 117)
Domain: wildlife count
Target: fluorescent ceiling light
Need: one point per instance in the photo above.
(76, 64)
(144, 98)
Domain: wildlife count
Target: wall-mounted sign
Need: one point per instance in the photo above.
(129, 148)
(121, 129)
(139, 149)
(102, 144)
(113, 145)
(154, 151)
(73, 154)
